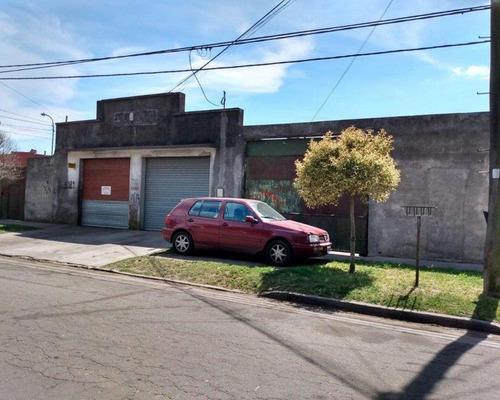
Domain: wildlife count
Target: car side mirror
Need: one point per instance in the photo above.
(251, 218)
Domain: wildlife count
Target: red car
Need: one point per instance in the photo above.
(242, 225)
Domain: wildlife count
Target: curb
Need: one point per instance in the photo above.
(115, 271)
(384, 312)
(421, 317)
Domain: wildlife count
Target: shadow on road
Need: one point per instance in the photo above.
(328, 366)
(423, 385)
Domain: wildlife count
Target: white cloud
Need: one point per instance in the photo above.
(474, 71)
(254, 80)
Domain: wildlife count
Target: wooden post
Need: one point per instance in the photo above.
(417, 259)
(353, 234)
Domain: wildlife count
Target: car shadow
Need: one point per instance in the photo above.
(234, 258)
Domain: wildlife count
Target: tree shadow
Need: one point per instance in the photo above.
(314, 278)
(403, 302)
(423, 385)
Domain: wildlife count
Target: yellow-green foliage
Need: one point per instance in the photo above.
(358, 162)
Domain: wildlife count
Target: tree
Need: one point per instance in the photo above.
(358, 163)
(9, 166)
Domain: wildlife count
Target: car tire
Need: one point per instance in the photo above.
(182, 243)
(278, 252)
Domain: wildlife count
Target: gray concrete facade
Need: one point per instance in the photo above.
(442, 159)
(136, 128)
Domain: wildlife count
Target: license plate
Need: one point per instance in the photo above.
(328, 249)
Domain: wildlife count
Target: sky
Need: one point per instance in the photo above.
(413, 83)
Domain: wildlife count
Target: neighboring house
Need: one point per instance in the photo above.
(12, 192)
(141, 155)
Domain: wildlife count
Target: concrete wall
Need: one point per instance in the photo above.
(141, 127)
(440, 164)
(437, 154)
(40, 200)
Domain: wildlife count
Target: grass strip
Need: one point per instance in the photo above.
(451, 292)
(8, 228)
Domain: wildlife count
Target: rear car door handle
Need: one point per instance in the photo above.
(224, 224)
(190, 220)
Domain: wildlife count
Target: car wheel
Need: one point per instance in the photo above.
(278, 252)
(182, 243)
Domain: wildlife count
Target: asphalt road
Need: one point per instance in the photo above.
(69, 333)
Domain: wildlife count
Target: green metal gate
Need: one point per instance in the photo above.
(269, 175)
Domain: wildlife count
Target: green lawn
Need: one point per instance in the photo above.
(450, 292)
(6, 228)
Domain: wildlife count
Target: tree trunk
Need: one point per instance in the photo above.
(353, 234)
(491, 285)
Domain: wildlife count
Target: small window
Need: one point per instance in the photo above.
(236, 212)
(195, 209)
(210, 209)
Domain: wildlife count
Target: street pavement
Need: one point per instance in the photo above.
(70, 333)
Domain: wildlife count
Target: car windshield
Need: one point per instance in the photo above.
(265, 211)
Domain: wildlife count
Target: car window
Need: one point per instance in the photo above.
(210, 209)
(265, 211)
(195, 209)
(236, 212)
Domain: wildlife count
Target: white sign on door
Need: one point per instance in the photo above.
(106, 190)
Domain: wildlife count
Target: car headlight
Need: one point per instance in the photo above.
(313, 238)
(327, 237)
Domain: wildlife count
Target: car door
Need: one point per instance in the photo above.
(203, 221)
(235, 233)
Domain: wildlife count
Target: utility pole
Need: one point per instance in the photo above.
(491, 274)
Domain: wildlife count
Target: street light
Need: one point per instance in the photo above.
(53, 129)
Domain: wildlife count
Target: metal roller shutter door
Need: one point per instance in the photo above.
(168, 181)
(106, 208)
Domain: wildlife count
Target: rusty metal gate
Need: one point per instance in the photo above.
(269, 175)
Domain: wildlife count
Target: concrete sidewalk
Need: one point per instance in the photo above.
(96, 247)
(82, 245)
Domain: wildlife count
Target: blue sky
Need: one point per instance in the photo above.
(426, 82)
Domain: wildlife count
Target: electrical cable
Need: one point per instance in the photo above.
(30, 99)
(25, 116)
(25, 127)
(25, 134)
(199, 83)
(304, 60)
(350, 64)
(183, 84)
(280, 36)
(24, 120)
(229, 45)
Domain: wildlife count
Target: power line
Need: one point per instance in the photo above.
(199, 83)
(24, 116)
(304, 60)
(248, 31)
(350, 64)
(24, 120)
(25, 134)
(25, 128)
(439, 14)
(28, 98)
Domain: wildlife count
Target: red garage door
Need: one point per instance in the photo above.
(106, 192)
